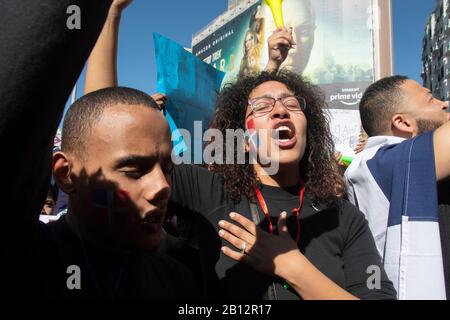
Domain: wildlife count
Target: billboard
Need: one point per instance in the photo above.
(335, 50)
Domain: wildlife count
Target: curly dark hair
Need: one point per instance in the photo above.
(318, 167)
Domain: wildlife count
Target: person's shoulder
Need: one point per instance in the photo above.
(392, 156)
(397, 147)
(345, 215)
(352, 221)
(204, 179)
(349, 213)
(371, 152)
(341, 207)
(346, 207)
(383, 154)
(377, 145)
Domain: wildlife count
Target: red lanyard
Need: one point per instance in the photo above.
(264, 208)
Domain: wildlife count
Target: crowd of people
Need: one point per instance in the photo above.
(139, 227)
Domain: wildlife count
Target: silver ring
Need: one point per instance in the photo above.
(243, 247)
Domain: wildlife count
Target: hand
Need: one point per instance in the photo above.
(266, 253)
(279, 43)
(278, 256)
(337, 158)
(361, 143)
(359, 147)
(160, 99)
(118, 6)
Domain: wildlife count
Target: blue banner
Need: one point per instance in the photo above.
(191, 87)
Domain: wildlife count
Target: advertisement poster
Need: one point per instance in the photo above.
(334, 50)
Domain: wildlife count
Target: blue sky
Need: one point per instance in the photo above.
(409, 18)
(178, 20)
(175, 19)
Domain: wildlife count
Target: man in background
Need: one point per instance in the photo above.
(393, 181)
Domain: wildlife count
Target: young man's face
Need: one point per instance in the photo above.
(284, 131)
(123, 184)
(429, 113)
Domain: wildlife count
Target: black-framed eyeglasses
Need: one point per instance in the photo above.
(264, 105)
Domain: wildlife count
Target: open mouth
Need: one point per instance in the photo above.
(284, 134)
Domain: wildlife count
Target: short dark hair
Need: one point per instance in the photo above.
(87, 111)
(379, 103)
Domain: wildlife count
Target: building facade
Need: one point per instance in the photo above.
(436, 51)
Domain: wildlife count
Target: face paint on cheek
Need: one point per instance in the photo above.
(121, 198)
(121, 202)
(251, 136)
(112, 203)
(251, 124)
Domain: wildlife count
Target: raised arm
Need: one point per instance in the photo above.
(441, 141)
(279, 44)
(102, 64)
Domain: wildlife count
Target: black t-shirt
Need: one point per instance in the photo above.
(336, 240)
(45, 271)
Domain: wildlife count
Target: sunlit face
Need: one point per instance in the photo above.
(283, 137)
(123, 185)
(428, 112)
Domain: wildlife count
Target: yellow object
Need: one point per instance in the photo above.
(277, 11)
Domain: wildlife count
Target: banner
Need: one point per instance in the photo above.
(190, 85)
